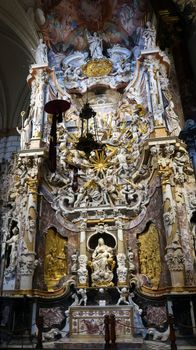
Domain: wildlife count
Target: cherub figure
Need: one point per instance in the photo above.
(124, 294)
(83, 294)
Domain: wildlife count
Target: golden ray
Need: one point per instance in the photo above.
(100, 162)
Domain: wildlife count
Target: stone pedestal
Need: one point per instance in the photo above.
(36, 143)
(177, 278)
(159, 132)
(27, 265)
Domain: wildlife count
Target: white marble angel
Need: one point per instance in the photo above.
(41, 55)
(95, 45)
(83, 294)
(13, 243)
(149, 36)
(172, 119)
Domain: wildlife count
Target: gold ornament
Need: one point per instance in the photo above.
(97, 68)
(55, 260)
(149, 255)
(32, 185)
(142, 128)
(100, 162)
(37, 135)
(140, 110)
(165, 175)
(22, 114)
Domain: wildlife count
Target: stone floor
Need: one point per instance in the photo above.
(182, 344)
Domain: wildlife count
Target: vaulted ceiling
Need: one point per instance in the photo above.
(19, 38)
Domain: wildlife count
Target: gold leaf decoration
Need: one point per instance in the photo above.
(149, 255)
(55, 260)
(97, 68)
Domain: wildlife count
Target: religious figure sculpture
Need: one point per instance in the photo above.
(95, 45)
(124, 294)
(82, 271)
(24, 132)
(149, 36)
(102, 265)
(175, 258)
(137, 319)
(83, 294)
(126, 298)
(172, 120)
(13, 242)
(180, 161)
(67, 312)
(121, 158)
(37, 101)
(122, 269)
(74, 261)
(41, 53)
(131, 260)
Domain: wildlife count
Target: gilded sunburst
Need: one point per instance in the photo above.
(100, 162)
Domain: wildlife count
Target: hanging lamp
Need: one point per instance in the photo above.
(88, 141)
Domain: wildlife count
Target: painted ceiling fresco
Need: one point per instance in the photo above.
(64, 22)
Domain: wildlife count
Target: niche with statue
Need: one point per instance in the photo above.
(102, 265)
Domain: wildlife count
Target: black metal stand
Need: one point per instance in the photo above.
(40, 324)
(172, 332)
(113, 331)
(110, 332)
(107, 332)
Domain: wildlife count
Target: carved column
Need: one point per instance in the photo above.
(82, 259)
(169, 205)
(152, 71)
(83, 227)
(175, 262)
(27, 261)
(184, 185)
(154, 89)
(152, 62)
(82, 271)
(38, 79)
(121, 257)
(31, 212)
(120, 240)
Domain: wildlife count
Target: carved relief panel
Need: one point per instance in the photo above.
(55, 260)
(149, 255)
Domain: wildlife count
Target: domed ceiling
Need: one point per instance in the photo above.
(64, 25)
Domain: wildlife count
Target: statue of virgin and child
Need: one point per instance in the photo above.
(102, 265)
